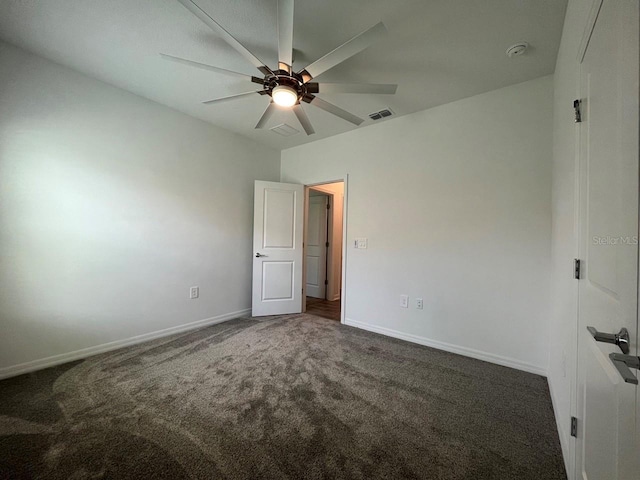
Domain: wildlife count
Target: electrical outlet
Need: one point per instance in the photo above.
(360, 243)
(404, 301)
(419, 303)
(194, 292)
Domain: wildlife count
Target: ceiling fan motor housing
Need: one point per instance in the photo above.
(284, 78)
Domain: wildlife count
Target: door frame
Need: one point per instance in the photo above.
(314, 182)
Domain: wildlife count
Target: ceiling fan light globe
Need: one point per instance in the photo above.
(284, 96)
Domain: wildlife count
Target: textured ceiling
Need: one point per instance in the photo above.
(437, 51)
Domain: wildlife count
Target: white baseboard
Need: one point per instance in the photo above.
(54, 360)
(448, 347)
(567, 454)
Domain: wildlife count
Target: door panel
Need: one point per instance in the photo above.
(277, 248)
(606, 445)
(279, 218)
(313, 273)
(600, 450)
(277, 280)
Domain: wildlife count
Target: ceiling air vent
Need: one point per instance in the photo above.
(381, 114)
(284, 130)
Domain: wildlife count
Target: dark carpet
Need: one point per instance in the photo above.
(295, 397)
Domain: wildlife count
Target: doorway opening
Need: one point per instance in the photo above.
(323, 250)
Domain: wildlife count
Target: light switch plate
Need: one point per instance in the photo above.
(362, 243)
(404, 301)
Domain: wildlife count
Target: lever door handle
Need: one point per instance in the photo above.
(621, 339)
(624, 363)
(258, 255)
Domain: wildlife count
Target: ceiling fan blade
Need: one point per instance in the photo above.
(303, 119)
(285, 34)
(226, 36)
(266, 115)
(331, 108)
(232, 97)
(377, 89)
(205, 66)
(344, 51)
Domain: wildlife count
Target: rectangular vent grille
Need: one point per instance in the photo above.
(381, 114)
(284, 130)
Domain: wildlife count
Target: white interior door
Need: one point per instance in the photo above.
(277, 248)
(607, 445)
(316, 260)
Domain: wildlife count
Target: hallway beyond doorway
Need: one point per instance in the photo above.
(324, 308)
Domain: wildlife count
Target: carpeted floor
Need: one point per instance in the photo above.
(296, 397)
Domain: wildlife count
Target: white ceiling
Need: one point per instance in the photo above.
(437, 51)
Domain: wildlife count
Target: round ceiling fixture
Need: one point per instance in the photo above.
(517, 49)
(284, 96)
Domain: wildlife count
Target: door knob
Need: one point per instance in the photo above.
(621, 339)
(258, 255)
(624, 363)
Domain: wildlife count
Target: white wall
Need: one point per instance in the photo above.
(111, 207)
(455, 203)
(562, 356)
(334, 262)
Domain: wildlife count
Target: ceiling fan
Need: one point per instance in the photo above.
(285, 87)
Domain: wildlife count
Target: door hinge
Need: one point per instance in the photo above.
(576, 268)
(326, 244)
(576, 111)
(326, 282)
(328, 206)
(574, 427)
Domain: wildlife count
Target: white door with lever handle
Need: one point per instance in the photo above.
(607, 434)
(277, 246)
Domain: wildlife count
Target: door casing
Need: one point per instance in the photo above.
(313, 182)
